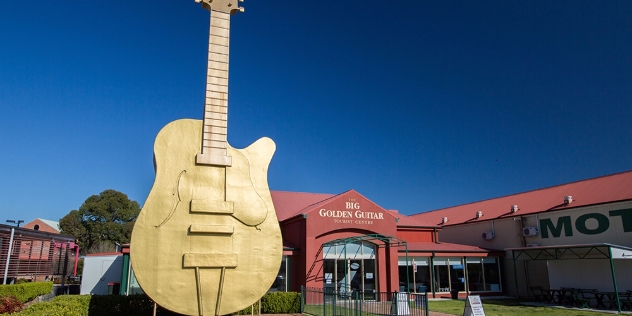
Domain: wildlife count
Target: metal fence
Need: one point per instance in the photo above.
(319, 302)
(25, 253)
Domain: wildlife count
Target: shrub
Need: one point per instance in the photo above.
(281, 303)
(10, 304)
(97, 305)
(277, 303)
(64, 305)
(26, 291)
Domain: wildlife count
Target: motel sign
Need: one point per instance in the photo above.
(565, 225)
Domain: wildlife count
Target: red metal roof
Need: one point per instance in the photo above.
(289, 204)
(444, 247)
(403, 220)
(611, 188)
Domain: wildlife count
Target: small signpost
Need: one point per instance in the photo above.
(473, 306)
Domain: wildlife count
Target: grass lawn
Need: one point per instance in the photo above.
(506, 308)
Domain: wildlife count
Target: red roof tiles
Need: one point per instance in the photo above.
(289, 204)
(444, 247)
(407, 221)
(611, 188)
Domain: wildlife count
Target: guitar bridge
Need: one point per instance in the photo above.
(210, 260)
(212, 229)
(212, 207)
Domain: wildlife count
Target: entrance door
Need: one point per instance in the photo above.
(355, 273)
(356, 276)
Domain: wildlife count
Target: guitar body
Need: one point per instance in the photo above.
(206, 234)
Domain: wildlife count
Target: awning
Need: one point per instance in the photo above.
(567, 252)
(387, 241)
(381, 241)
(582, 251)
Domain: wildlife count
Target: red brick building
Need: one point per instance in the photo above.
(347, 242)
(43, 225)
(552, 236)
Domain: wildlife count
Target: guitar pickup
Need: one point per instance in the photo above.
(212, 207)
(210, 260)
(212, 229)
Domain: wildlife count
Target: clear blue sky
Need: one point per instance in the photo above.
(417, 105)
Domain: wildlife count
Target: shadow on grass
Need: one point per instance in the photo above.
(102, 305)
(508, 307)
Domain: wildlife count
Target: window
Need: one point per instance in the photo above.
(350, 267)
(483, 274)
(420, 280)
(457, 274)
(441, 274)
(281, 282)
(475, 278)
(134, 287)
(491, 270)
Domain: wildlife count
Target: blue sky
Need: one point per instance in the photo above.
(417, 105)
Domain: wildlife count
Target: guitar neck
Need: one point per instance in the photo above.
(215, 127)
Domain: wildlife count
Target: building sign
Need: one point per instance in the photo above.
(352, 214)
(565, 225)
(328, 277)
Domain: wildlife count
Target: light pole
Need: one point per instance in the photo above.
(6, 267)
(18, 222)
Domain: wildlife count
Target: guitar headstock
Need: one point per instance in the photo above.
(226, 6)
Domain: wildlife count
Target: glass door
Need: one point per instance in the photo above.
(369, 276)
(341, 277)
(355, 275)
(350, 268)
(329, 269)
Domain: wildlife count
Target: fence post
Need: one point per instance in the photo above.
(396, 302)
(302, 298)
(426, 303)
(355, 294)
(336, 293)
(324, 302)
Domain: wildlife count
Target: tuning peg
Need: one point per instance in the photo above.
(241, 0)
(241, 9)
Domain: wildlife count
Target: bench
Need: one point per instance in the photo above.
(540, 294)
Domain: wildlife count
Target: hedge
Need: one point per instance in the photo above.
(277, 303)
(97, 305)
(64, 305)
(26, 291)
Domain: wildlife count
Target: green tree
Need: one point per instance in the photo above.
(102, 221)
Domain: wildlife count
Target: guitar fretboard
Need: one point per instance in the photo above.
(214, 137)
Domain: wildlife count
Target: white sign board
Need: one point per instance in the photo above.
(400, 304)
(473, 306)
(328, 277)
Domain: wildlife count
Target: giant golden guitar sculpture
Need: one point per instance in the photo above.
(207, 241)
